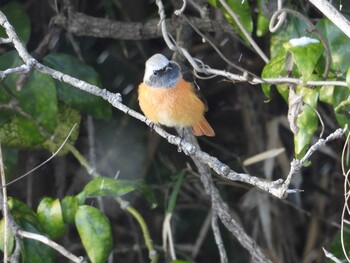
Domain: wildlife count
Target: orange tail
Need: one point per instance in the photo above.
(203, 128)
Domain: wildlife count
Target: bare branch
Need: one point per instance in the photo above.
(18, 70)
(281, 18)
(80, 24)
(331, 256)
(5, 210)
(223, 212)
(336, 17)
(50, 243)
(218, 238)
(182, 9)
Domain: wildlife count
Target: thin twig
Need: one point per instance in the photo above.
(296, 165)
(346, 196)
(4, 206)
(244, 31)
(168, 236)
(218, 238)
(50, 243)
(244, 71)
(179, 12)
(331, 256)
(281, 18)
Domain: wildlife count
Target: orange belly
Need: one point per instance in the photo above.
(174, 107)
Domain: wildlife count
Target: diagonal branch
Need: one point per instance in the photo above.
(333, 14)
(54, 245)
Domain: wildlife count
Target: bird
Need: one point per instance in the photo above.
(171, 97)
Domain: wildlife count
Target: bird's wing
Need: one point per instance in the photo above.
(189, 77)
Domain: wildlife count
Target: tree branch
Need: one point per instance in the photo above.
(5, 209)
(50, 243)
(333, 14)
(218, 238)
(80, 24)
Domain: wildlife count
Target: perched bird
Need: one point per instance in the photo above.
(170, 97)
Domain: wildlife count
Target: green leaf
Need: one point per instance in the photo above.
(305, 57)
(262, 27)
(242, 9)
(339, 45)
(74, 97)
(172, 201)
(213, 3)
(20, 211)
(307, 121)
(20, 133)
(105, 186)
(67, 117)
(273, 69)
(326, 94)
(341, 105)
(81, 198)
(19, 19)
(144, 188)
(69, 208)
(36, 112)
(295, 28)
(34, 251)
(10, 240)
(95, 233)
(50, 216)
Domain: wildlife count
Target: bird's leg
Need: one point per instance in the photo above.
(182, 136)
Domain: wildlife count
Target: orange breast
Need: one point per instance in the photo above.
(173, 107)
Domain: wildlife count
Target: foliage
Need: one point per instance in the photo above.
(308, 63)
(52, 217)
(37, 112)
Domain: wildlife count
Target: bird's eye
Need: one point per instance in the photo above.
(159, 71)
(162, 70)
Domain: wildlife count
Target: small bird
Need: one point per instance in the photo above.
(170, 97)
